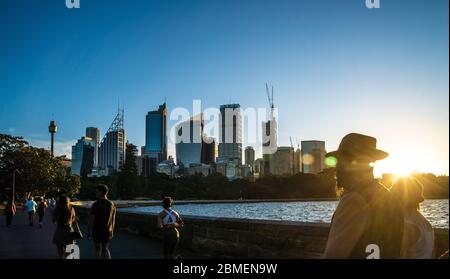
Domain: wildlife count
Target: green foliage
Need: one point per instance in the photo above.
(128, 183)
(37, 172)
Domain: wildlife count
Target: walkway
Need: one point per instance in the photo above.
(21, 241)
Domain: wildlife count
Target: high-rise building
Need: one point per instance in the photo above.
(189, 139)
(156, 135)
(250, 157)
(94, 134)
(113, 145)
(230, 133)
(209, 150)
(282, 161)
(83, 157)
(270, 144)
(313, 156)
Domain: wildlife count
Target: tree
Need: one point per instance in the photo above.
(128, 184)
(38, 172)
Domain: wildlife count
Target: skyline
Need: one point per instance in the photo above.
(380, 72)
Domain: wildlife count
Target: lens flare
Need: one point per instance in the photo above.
(331, 161)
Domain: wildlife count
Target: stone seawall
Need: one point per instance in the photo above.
(243, 238)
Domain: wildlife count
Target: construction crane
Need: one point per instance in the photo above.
(290, 138)
(298, 144)
(270, 98)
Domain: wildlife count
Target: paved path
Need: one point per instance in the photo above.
(21, 241)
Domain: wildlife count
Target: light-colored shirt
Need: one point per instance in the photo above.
(31, 205)
(423, 246)
(348, 225)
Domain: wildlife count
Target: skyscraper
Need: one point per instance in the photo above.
(94, 134)
(83, 157)
(313, 156)
(155, 149)
(112, 147)
(189, 139)
(230, 133)
(209, 150)
(250, 156)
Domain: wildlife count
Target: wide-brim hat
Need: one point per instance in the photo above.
(358, 146)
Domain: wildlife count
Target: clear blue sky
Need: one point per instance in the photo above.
(337, 67)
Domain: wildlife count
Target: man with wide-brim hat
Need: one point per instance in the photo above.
(367, 223)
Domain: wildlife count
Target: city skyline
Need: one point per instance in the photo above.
(391, 82)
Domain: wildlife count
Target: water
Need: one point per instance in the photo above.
(436, 211)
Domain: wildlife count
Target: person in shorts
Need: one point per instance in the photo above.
(101, 223)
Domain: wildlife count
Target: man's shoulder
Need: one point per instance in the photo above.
(352, 198)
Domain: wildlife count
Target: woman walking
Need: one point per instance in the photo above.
(63, 217)
(42, 205)
(10, 211)
(418, 234)
(169, 221)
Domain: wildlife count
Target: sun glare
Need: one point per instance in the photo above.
(400, 163)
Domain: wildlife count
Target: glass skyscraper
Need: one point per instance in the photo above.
(156, 134)
(83, 157)
(94, 134)
(230, 133)
(189, 139)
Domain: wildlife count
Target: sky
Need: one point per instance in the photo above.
(336, 67)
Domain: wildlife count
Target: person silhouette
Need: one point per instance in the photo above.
(368, 222)
(169, 221)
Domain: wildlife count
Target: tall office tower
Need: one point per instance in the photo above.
(313, 156)
(94, 134)
(155, 138)
(189, 140)
(83, 157)
(113, 145)
(269, 134)
(209, 150)
(230, 133)
(282, 161)
(250, 156)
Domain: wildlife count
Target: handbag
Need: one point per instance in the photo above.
(76, 234)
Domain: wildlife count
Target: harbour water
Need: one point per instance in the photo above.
(435, 210)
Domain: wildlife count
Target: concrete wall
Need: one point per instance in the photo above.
(241, 238)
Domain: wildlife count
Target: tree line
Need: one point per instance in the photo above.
(38, 173)
(127, 184)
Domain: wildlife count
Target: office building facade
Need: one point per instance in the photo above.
(188, 141)
(94, 134)
(156, 135)
(313, 156)
(83, 157)
(282, 161)
(230, 133)
(250, 157)
(112, 146)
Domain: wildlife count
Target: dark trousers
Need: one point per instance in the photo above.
(171, 239)
(31, 217)
(9, 217)
(41, 217)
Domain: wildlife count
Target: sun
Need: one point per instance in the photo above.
(401, 163)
